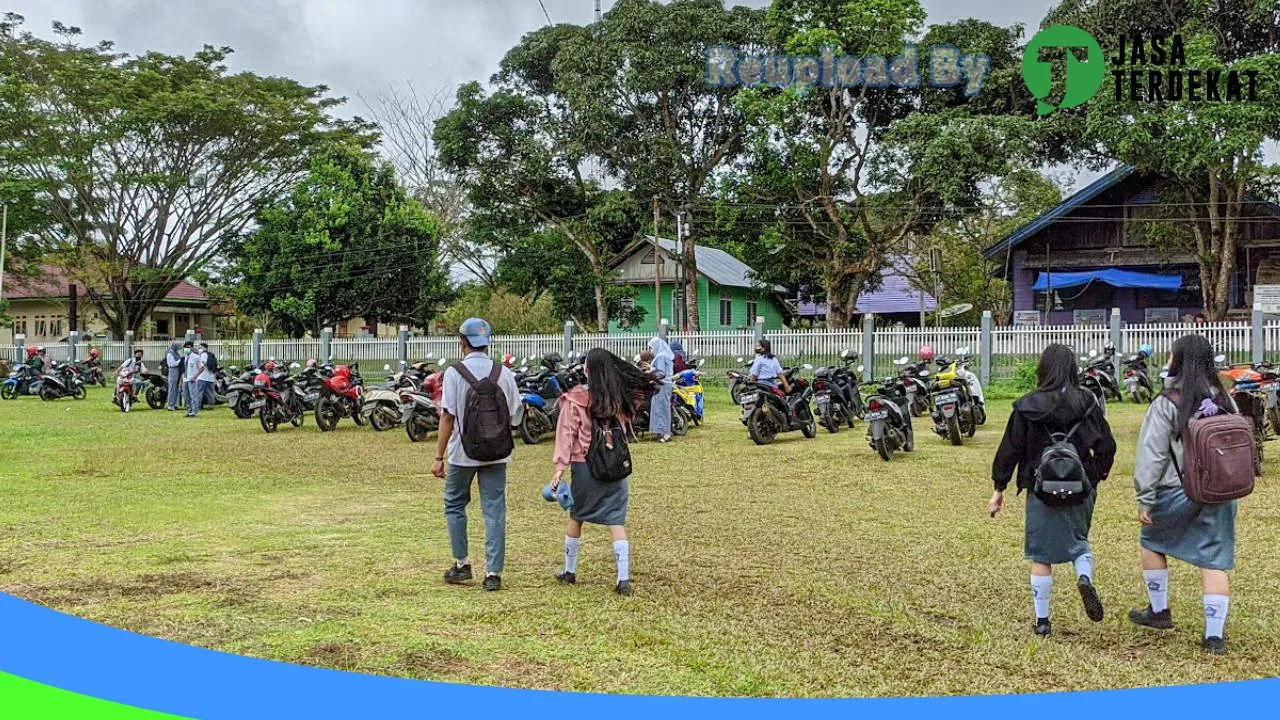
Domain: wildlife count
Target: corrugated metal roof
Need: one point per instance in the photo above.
(1097, 187)
(719, 266)
(54, 284)
(895, 296)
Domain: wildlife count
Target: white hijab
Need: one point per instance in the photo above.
(661, 349)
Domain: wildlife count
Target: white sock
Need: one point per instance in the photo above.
(571, 547)
(1041, 589)
(464, 562)
(622, 554)
(1157, 589)
(1084, 565)
(1215, 614)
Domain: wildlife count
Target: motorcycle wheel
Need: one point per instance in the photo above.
(78, 392)
(9, 392)
(102, 381)
(909, 435)
(382, 419)
(679, 422)
(760, 428)
(971, 427)
(953, 430)
(735, 393)
(533, 425)
(124, 401)
(417, 428)
(47, 393)
(829, 422)
(808, 425)
(858, 411)
(1273, 416)
(241, 408)
(884, 448)
(154, 399)
(326, 415)
(267, 416)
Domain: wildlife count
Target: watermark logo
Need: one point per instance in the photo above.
(1082, 78)
(948, 68)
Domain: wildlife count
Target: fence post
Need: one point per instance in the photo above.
(19, 349)
(663, 328)
(326, 344)
(73, 338)
(255, 349)
(128, 344)
(191, 336)
(402, 346)
(985, 347)
(759, 328)
(568, 338)
(1117, 339)
(1256, 336)
(868, 347)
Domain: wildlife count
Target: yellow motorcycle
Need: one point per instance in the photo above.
(954, 412)
(688, 391)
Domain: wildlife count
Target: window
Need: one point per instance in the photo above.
(55, 327)
(677, 308)
(20, 325)
(647, 258)
(726, 310)
(628, 305)
(41, 327)
(753, 311)
(1094, 296)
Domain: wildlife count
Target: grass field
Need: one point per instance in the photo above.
(807, 568)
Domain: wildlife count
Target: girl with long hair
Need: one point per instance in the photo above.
(1172, 525)
(608, 397)
(1055, 534)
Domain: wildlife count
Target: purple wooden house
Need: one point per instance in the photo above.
(1095, 251)
(895, 301)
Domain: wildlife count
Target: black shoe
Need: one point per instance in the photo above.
(492, 583)
(457, 575)
(1089, 596)
(567, 577)
(1214, 645)
(624, 588)
(1044, 628)
(1146, 617)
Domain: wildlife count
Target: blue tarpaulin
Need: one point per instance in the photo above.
(1112, 277)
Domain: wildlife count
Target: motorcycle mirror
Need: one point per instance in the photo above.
(430, 355)
(861, 369)
(294, 366)
(1093, 354)
(1220, 359)
(962, 350)
(901, 361)
(924, 373)
(740, 360)
(387, 368)
(807, 366)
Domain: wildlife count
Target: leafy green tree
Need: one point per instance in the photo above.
(637, 83)
(145, 165)
(347, 242)
(509, 313)
(1212, 153)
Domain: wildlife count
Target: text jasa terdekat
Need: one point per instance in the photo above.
(1154, 69)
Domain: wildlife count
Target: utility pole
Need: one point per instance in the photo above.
(597, 10)
(680, 312)
(657, 267)
(4, 237)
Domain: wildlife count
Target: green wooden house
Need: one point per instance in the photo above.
(728, 299)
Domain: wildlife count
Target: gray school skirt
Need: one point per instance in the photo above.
(600, 503)
(1057, 534)
(1199, 535)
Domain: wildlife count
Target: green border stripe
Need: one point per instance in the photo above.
(29, 700)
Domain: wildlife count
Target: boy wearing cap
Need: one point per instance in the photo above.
(491, 475)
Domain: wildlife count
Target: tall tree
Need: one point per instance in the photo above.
(146, 164)
(347, 242)
(1211, 152)
(638, 82)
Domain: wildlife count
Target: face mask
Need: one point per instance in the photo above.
(759, 351)
(186, 351)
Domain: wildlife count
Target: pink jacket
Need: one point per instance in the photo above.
(573, 428)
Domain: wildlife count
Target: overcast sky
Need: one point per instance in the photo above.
(363, 47)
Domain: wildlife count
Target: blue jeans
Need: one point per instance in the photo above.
(173, 398)
(194, 393)
(493, 503)
(209, 398)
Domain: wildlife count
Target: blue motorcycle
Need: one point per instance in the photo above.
(21, 381)
(540, 394)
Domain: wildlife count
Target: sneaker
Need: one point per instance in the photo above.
(1146, 617)
(664, 439)
(1214, 645)
(492, 583)
(1089, 596)
(624, 588)
(567, 578)
(1044, 628)
(457, 575)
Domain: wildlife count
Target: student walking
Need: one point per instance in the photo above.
(1203, 535)
(480, 406)
(1060, 445)
(593, 414)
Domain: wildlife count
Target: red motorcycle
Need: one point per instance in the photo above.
(277, 398)
(341, 395)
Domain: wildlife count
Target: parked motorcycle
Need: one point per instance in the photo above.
(340, 396)
(738, 380)
(540, 393)
(21, 381)
(767, 411)
(1101, 368)
(837, 397)
(62, 380)
(1095, 378)
(915, 380)
(688, 390)
(955, 413)
(1137, 380)
(240, 391)
(419, 413)
(1251, 400)
(889, 421)
(381, 407)
(278, 399)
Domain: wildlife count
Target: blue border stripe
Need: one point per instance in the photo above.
(102, 662)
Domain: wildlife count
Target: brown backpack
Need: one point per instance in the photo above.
(1219, 456)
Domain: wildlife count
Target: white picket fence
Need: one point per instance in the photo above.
(1010, 347)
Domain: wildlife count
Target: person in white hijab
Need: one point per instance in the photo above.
(660, 404)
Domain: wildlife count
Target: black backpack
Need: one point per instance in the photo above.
(211, 361)
(486, 426)
(608, 457)
(1060, 477)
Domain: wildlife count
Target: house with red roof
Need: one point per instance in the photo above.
(41, 308)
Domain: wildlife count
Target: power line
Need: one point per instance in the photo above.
(545, 13)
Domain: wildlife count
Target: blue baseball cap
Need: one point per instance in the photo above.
(476, 331)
